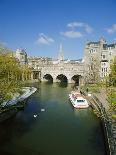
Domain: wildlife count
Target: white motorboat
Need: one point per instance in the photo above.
(77, 100)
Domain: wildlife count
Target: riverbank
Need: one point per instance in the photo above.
(11, 107)
(101, 107)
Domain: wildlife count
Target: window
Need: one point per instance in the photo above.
(111, 61)
(92, 59)
(103, 56)
(91, 51)
(106, 69)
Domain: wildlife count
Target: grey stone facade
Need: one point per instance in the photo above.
(21, 56)
(103, 53)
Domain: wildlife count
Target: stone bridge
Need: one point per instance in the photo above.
(62, 72)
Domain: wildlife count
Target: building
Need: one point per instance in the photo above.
(38, 62)
(98, 57)
(101, 55)
(21, 56)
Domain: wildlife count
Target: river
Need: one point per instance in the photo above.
(56, 129)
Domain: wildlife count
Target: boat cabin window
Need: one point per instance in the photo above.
(80, 100)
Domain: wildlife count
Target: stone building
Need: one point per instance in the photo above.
(101, 54)
(45, 68)
(38, 62)
(97, 59)
(21, 56)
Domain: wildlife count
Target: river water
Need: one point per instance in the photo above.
(58, 129)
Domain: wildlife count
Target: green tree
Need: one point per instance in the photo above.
(10, 75)
(112, 76)
(112, 85)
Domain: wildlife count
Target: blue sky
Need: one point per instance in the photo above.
(41, 25)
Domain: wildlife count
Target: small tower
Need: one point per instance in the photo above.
(102, 40)
(61, 54)
(21, 55)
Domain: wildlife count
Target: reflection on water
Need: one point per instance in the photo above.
(58, 130)
(62, 84)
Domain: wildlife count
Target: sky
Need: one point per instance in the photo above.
(40, 26)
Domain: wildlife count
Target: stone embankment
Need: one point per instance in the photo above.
(10, 108)
(101, 106)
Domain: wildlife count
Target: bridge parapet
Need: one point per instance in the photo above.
(67, 70)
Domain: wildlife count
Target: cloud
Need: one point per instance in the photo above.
(112, 29)
(72, 34)
(85, 26)
(44, 40)
(88, 29)
(77, 30)
(75, 24)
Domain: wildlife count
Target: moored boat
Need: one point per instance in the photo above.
(77, 100)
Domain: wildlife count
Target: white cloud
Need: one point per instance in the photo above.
(44, 40)
(72, 34)
(88, 29)
(75, 24)
(85, 26)
(77, 30)
(112, 29)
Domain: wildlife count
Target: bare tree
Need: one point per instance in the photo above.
(92, 74)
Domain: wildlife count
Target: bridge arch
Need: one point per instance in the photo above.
(76, 79)
(48, 77)
(61, 78)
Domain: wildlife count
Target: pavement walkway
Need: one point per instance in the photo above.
(103, 98)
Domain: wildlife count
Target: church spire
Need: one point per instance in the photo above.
(61, 53)
(61, 48)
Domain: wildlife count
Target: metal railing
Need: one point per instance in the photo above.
(110, 130)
